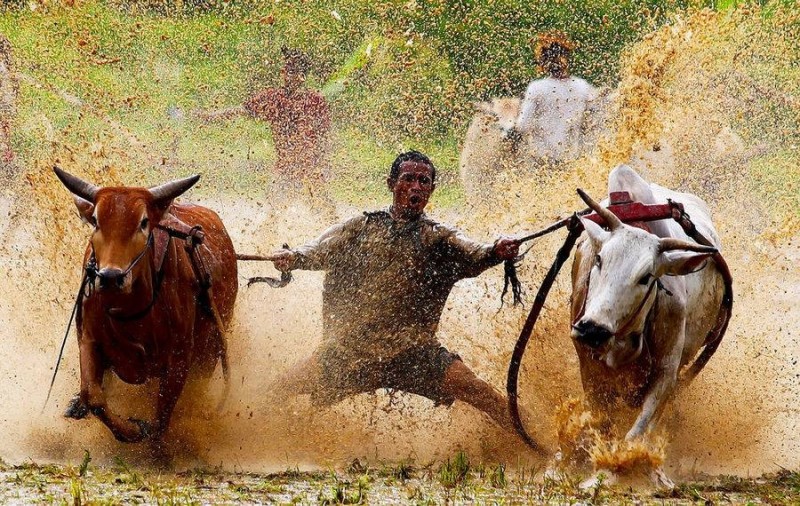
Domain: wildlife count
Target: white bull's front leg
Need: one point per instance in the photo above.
(665, 377)
(654, 402)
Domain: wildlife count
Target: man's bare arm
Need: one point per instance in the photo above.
(219, 114)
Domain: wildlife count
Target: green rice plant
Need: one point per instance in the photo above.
(84, 467)
(76, 492)
(456, 472)
(343, 492)
(497, 476)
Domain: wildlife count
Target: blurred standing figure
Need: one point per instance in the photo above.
(555, 108)
(299, 117)
(300, 121)
(9, 88)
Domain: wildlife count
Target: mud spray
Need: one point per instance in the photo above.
(715, 94)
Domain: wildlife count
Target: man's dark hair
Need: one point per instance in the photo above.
(554, 52)
(411, 156)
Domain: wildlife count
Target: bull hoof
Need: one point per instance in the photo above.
(76, 409)
(661, 480)
(145, 429)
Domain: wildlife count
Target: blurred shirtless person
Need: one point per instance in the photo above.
(9, 88)
(300, 121)
(388, 276)
(555, 108)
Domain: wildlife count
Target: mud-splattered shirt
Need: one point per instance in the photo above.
(300, 124)
(387, 281)
(552, 115)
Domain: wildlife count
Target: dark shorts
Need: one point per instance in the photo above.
(419, 370)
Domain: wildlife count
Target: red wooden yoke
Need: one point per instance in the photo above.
(635, 213)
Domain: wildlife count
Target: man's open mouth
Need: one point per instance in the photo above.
(415, 199)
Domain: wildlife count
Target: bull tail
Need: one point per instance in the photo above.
(226, 371)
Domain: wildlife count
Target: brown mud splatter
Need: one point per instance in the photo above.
(712, 89)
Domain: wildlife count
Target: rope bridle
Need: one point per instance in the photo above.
(92, 272)
(194, 237)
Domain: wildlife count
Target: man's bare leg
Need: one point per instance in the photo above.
(460, 382)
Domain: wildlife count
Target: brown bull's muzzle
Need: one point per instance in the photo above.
(110, 278)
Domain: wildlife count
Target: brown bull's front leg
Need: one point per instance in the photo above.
(94, 398)
(169, 390)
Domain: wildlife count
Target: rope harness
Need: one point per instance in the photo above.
(627, 212)
(286, 276)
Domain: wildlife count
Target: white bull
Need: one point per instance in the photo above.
(485, 151)
(642, 303)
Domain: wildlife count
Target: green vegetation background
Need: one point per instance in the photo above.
(399, 74)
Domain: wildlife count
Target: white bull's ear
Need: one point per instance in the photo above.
(484, 107)
(680, 262)
(595, 232)
(85, 210)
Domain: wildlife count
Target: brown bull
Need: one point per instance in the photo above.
(157, 299)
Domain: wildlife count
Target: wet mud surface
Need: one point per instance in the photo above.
(398, 484)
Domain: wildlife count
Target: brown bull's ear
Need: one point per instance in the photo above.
(77, 186)
(85, 210)
(164, 194)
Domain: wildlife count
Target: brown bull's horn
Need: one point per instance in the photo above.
(168, 191)
(670, 244)
(610, 218)
(79, 187)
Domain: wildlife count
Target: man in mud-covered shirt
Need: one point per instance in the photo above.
(388, 276)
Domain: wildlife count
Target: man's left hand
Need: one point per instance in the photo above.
(506, 248)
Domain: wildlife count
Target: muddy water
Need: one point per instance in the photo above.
(688, 86)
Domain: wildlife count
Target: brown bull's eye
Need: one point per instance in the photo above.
(144, 223)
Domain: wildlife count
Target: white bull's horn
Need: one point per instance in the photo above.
(670, 244)
(610, 218)
(168, 191)
(76, 185)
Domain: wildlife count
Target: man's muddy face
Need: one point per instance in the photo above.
(411, 189)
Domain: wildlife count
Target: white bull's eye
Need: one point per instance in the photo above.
(645, 279)
(598, 261)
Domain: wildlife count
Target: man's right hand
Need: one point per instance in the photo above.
(284, 259)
